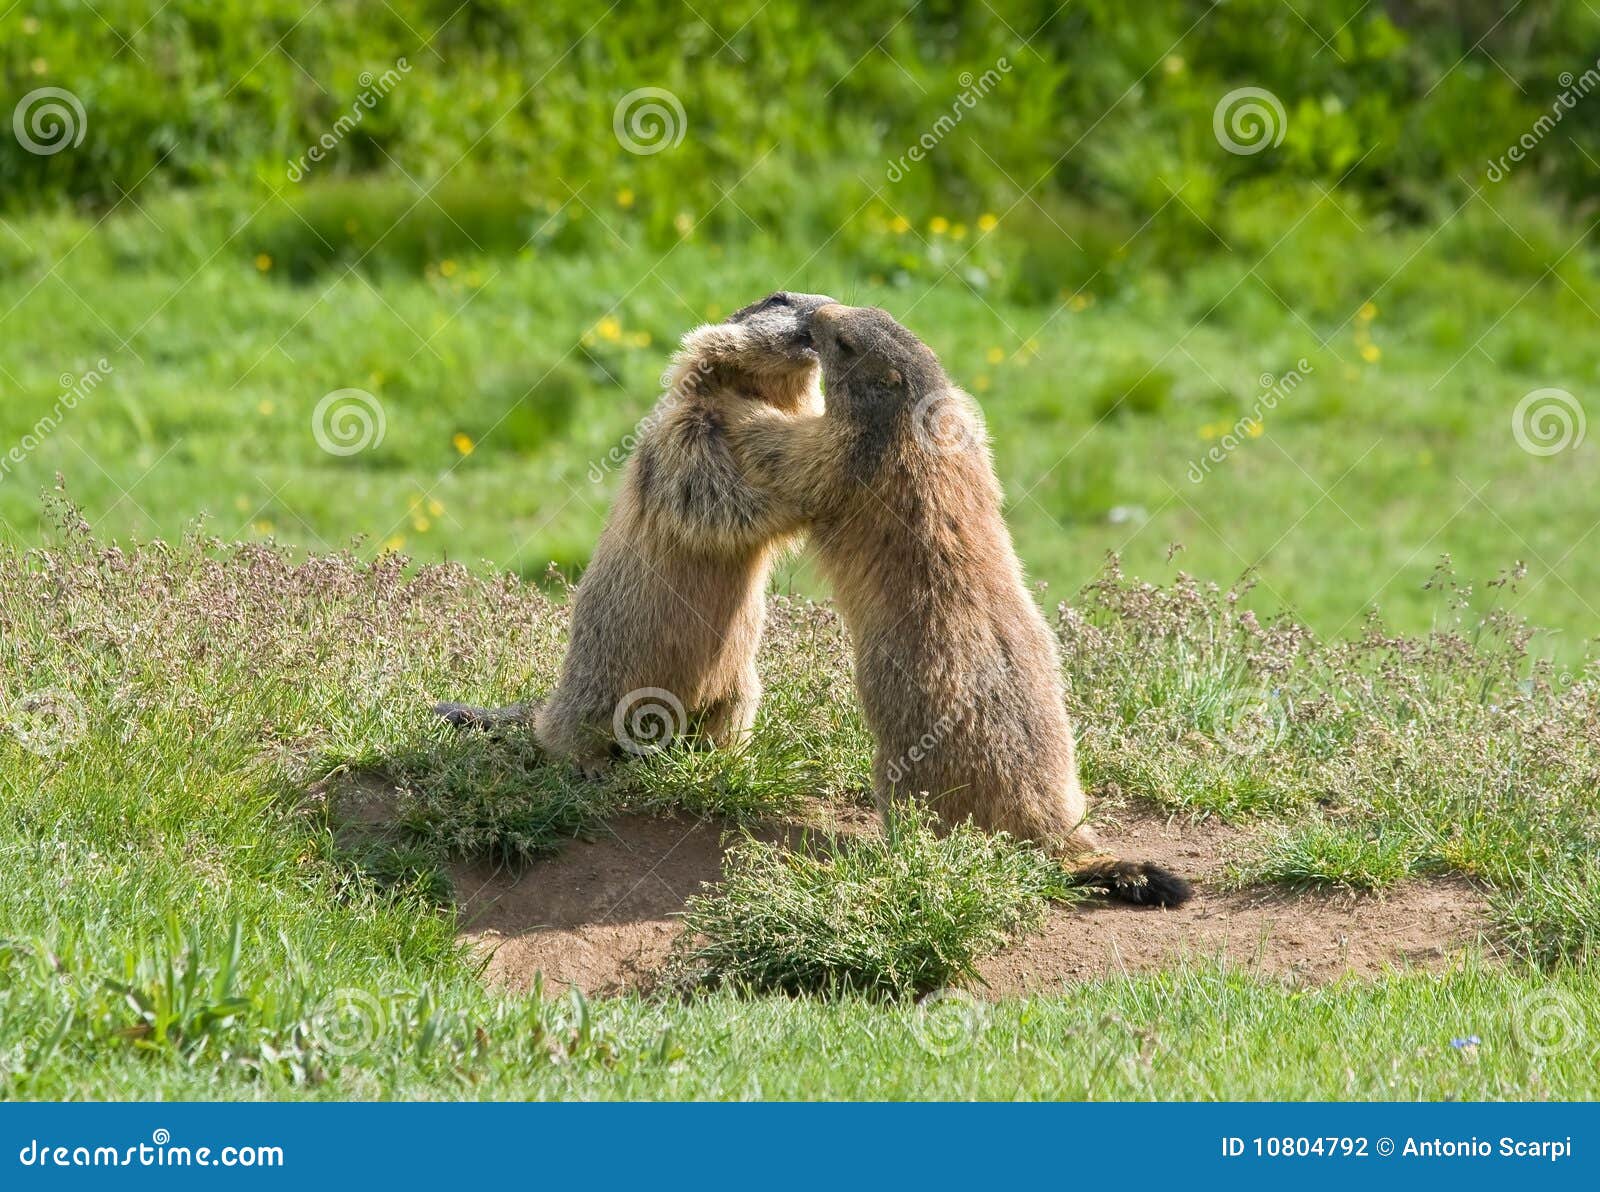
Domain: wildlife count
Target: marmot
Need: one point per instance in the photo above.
(958, 672)
(668, 614)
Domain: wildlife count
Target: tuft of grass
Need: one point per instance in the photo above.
(1322, 855)
(1552, 914)
(892, 915)
(746, 783)
(475, 795)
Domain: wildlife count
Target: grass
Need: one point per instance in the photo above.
(900, 914)
(510, 382)
(186, 915)
(1200, 1034)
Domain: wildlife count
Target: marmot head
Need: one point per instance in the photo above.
(763, 350)
(886, 382)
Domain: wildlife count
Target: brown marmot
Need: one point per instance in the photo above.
(958, 672)
(669, 612)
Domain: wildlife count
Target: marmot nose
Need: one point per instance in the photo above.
(827, 312)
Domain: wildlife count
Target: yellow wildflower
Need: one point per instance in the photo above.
(625, 197)
(609, 329)
(463, 443)
(263, 262)
(938, 225)
(1368, 312)
(995, 355)
(988, 221)
(1370, 353)
(899, 225)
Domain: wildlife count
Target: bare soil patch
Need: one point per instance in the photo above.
(1274, 933)
(603, 914)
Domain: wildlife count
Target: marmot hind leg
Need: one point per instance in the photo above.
(573, 735)
(726, 722)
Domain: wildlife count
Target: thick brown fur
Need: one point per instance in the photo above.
(958, 672)
(670, 611)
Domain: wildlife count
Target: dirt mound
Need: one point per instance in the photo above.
(1293, 936)
(602, 915)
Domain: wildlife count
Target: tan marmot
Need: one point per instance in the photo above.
(669, 613)
(957, 670)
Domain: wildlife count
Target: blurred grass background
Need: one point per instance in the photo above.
(483, 253)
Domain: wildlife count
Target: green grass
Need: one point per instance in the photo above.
(541, 362)
(188, 913)
(904, 913)
(1191, 1034)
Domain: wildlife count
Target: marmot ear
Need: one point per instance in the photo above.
(893, 376)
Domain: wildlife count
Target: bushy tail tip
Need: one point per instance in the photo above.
(1138, 882)
(469, 716)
